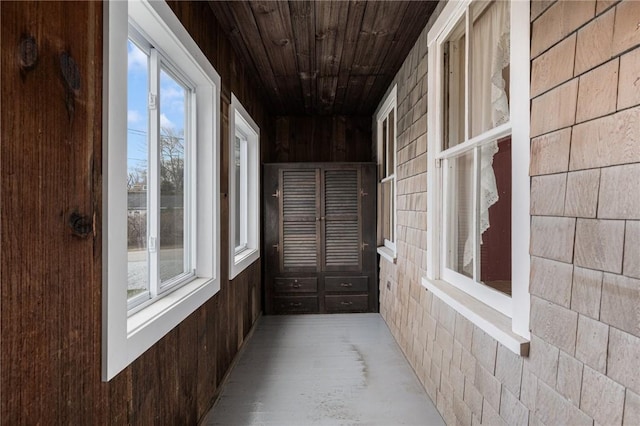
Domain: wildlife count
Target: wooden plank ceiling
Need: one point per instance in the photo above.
(323, 57)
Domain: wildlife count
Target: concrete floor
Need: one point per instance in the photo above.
(323, 370)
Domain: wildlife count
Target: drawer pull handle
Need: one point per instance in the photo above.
(295, 304)
(346, 285)
(296, 285)
(346, 303)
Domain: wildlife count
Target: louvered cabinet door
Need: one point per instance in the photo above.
(300, 221)
(319, 233)
(342, 235)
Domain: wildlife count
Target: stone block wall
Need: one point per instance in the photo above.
(584, 360)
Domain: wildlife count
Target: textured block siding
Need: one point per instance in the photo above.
(585, 168)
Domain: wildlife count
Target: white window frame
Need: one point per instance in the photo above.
(158, 63)
(388, 248)
(242, 125)
(125, 337)
(503, 317)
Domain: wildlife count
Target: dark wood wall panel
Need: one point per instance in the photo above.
(321, 139)
(50, 280)
(50, 258)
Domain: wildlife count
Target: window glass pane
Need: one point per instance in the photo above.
(495, 215)
(459, 211)
(172, 178)
(489, 101)
(391, 144)
(137, 170)
(454, 99)
(383, 163)
(244, 192)
(237, 189)
(387, 213)
(392, 209)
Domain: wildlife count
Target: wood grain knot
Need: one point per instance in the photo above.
(265, 10)
(70, 72)
(307, 76)
(28, 52)
(81, 225)
(322, 35)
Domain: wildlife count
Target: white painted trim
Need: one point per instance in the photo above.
(240, 121)
(520, 152)
(519, 307)
(389, 102)
(153, 216)
(125, 338)
(434, 128)
(114, 227)
(390, 245)
(447, 19)
(498, 301)
(486, 318)
(387, 253)
(488, 136)
(387, 179)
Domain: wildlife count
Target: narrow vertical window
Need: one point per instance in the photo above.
(237, 165)
(137, 173)
(241, 193)
(386, 129)
(391, 144)
(173, 180)
(159, 206)
(244, 202)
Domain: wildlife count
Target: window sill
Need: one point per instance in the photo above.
(243, 254)
(172, 301)
(488, 319)
(127, 338)
(242, 261)
(387, 253)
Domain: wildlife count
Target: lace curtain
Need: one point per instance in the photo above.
(489, 103)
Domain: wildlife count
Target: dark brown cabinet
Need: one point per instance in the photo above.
(320, 237)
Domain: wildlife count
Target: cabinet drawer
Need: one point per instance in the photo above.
(346, 284)
(295, 285)
(339, 303)
(296, 305)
